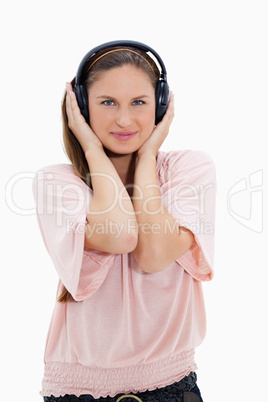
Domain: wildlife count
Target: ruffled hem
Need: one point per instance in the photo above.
(67, 378)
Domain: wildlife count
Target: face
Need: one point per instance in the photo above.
(122, 108)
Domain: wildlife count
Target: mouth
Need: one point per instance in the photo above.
(123, 135)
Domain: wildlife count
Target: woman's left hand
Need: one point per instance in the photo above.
(160, 132)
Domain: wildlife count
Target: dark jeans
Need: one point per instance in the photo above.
(170, 393)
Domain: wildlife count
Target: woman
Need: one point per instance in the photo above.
(130, 230)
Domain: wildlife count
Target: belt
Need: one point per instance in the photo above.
(188, 397)
(128, 396)
(178, 391)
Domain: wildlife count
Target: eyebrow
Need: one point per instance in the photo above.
(110, 97)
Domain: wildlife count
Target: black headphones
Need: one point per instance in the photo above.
(162, 88)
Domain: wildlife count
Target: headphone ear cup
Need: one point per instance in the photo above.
(161, 98)
(82, 100)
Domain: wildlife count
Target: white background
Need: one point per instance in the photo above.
(216, 57)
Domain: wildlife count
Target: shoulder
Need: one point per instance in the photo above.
(184, 161)
(64, 168)
(58, 174)
(51, 172)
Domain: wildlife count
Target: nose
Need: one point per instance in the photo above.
(123, 118)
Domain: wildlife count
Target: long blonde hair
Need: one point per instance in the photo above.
(98, 65)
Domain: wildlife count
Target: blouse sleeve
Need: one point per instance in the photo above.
(188, 192)
(62, 200)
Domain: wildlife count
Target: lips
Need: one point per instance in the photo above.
(123, 135)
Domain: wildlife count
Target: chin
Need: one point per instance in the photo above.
(114, 152)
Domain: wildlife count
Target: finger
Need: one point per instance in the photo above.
(71, 95)
(71, 98)
(168, 116)
(68, 102)
(68, 86)
(74, 109)
(68, 98)
(170, 110)
(68, 108)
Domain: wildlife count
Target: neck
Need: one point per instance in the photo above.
(124, 165)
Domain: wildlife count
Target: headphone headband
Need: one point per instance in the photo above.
(118, 50)
(107, 45)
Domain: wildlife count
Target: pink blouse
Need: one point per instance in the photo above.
(129, 330)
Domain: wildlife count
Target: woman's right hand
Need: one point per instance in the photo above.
(77, 122)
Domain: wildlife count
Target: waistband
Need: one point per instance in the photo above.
(69, 378)
(174, 392)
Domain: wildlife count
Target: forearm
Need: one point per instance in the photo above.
(160, 239)
(111, 218)
(147, 201)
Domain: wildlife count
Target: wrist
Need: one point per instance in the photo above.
(146, 156)
(91, 149)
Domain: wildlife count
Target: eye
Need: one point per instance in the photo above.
(108, 103)
(138, 102)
